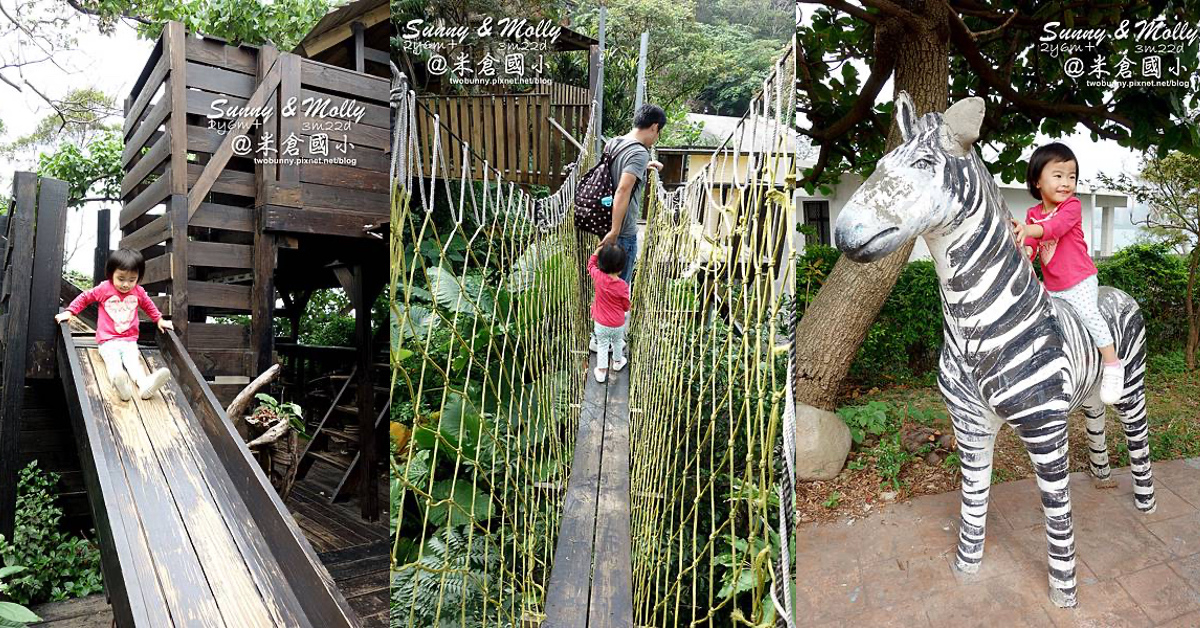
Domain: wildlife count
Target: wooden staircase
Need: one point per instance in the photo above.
(335, 439)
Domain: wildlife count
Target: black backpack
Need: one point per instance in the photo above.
(591, 215)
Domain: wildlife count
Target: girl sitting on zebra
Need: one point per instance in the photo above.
(1053, 233)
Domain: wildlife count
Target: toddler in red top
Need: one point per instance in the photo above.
(1053, 233)
(120, 297)
(610, 306)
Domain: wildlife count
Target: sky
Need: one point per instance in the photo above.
(111, 64)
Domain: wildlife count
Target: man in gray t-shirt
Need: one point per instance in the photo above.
(628, 172)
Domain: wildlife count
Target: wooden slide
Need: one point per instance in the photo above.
(192, 534)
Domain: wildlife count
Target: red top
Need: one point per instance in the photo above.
(612, 297)
(118, 311)
(1062, 248)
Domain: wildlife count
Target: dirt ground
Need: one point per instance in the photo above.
(1174, 411)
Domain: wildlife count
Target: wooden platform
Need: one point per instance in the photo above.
(354, 552)
(191, 533)
(593, 563)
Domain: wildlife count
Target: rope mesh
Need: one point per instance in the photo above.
(489, 350)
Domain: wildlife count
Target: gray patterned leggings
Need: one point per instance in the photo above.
(609, 337)
(1084, 297)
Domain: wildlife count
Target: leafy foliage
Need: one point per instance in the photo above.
(1157, 280)
(869, 419)
(92, 171)
(284, 22)
(58, 565)
(13, 615)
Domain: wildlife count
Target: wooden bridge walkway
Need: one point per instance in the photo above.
(591, 583)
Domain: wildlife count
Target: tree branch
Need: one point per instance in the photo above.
(908, 17)
(846, 7)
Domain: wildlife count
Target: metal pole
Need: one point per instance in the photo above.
(600, 83)
(641, 80)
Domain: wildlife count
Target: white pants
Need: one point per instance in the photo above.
(1084, 297)
(120, 354)
(607, 337)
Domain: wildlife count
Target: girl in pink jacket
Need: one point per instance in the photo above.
(1053, 233)
(609, 308)
(120, 297)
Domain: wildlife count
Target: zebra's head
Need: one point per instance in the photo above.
(910, 192)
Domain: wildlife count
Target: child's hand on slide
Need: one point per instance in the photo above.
(63, 317)
(164, 324)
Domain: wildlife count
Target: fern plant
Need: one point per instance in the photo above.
(454, 574)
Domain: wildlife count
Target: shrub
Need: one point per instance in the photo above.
(57, 565)
(1157, 280)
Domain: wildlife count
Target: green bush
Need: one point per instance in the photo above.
(57, 565)
(1157, 280)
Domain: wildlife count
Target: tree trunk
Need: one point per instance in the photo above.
(837, 321)
(1193, 317)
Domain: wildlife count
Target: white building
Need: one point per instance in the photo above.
(821, 212)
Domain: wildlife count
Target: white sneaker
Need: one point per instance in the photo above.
(1112, 384)
(601, 374)
(123, 385)
(152, 382)
(619, 363)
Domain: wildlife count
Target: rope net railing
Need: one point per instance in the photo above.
(489, 351)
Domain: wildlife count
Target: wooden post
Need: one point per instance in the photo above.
(262, 296)
(103, 232)
(174, 48)
(359, 44)
(289, 89)
(16, 316)
(368, 489)
(177, 218)
(50, 234)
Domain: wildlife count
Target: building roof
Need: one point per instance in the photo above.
(754, 136)
(335, 26)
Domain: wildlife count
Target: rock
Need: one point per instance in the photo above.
(822, 443)
(888, 496)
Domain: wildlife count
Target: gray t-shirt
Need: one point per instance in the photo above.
(633, 161)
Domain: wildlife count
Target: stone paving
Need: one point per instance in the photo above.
(894, 568)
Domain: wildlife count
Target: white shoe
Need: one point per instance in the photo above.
(152, 382)
(592, 344)
(1112, 384)
(619, 364)
(123, 385)
(601, 374)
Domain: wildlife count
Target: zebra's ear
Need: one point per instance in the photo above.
(906, 115)
(960, 125)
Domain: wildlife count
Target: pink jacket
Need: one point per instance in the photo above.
(1062, 248)
(118, 312)
(612, 297)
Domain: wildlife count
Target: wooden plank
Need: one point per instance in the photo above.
(229, 181)
(222, 362)
(544, 130)
(47, 271)
(147, 131)
(373, 114)
(322, 603)
(147, 163)
(219, 159)
(319, 221)
(510, 139)
(219, 80)
(612, 580)
(314, 194)
(262, 300)
(214, 52)
(17, 283)
(124, 557)
(570, 579)
(346, 177)
(146, 92)
(342, 81)
(139, 205)
(220, 254)
(218, 336)
(496, 131)
(184, 586)
(227, 217)
(247, 584)
(149, 235)
(360, 135)
(205, 140)
(205, 294)
(163, 304)
(289, 88)
(158, 269)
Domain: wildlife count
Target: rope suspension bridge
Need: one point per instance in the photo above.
(525, 493)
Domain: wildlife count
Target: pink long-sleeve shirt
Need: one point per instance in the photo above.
(612, 297)
(118, 311)
(1062, 247)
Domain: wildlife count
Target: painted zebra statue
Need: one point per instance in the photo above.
(1011, 353)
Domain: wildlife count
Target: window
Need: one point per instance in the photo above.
(816, 213)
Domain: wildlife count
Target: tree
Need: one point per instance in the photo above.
(1171, 187)
(938, 51)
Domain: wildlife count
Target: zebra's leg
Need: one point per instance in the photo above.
(1047, 447)
(1093, 410)
(1132, 410)
(976, 442)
